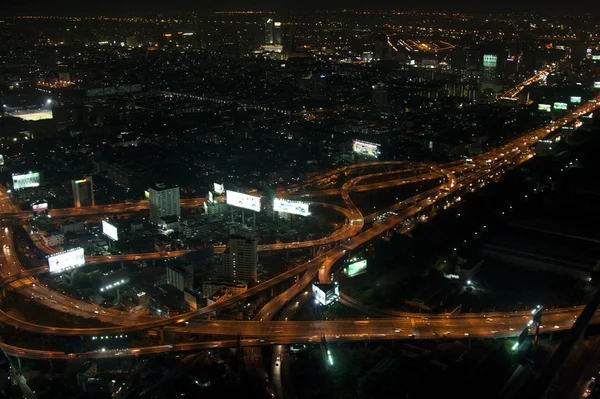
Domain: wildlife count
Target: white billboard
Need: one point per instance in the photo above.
(366, 148)
(243, 200)
(26, 180)
(356, 268)
(293, 207)
(110, 231)
(211, 197)
(326, 297)
(219, 188)
(319, 294)
(561, 105)
(39, 207)
(66, 260)
(1, 159)
(545, 107)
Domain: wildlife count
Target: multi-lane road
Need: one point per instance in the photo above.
(462, 177)
(513, 92)
(110, 209)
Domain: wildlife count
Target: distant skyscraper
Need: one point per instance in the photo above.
(83, 192)
(459, 59)
(131, 41)
(272, 32)
(239, 260)
(380, 96)
(181, 277)
(382, 49)
(490, 64)
(511, 66)
(277, 33)
(319, 83)
(164, 201)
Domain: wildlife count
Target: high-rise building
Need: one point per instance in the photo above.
(382, 50)
(490, 66)
(164, 201)
(319, 83)
(131, 41)
(83, 192)
(239, 260)
(511, 65)
(181, 277)
(273, 32)
(380, 96)
(458, 59)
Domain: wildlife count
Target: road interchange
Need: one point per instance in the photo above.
(484, 166)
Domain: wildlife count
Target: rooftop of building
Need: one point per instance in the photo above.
(170, 219)
(227, 284)
(162, 186)
(241, 237)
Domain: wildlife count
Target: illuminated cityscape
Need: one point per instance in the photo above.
(309, 203)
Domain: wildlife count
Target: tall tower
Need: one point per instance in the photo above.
(277, 33)
(380, 96)
(164, 201)
(273, 32)
(490, 67)
(83, 192)
(239, 260)
(269, 31)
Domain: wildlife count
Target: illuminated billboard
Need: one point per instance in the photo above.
(560, 105)
(490, 60)
(544, 107)
(596, 86)
(219, 188)
(356, 268)
(575, 99)
(243, 200)
(66, 260)
(325, 293)
(110, 231)
(39, 207)
(146, 194)
(34, 116)
(293, 207)
(26, 180)
(211, 197)
(2, 156)
(366, 148)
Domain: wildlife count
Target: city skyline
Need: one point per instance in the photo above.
(299, 205)
(136, 7)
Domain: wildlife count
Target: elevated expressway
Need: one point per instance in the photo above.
(413, 325)
(512, 93)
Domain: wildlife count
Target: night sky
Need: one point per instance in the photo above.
(141, 7)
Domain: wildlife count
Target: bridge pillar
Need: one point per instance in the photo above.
(580, 339)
